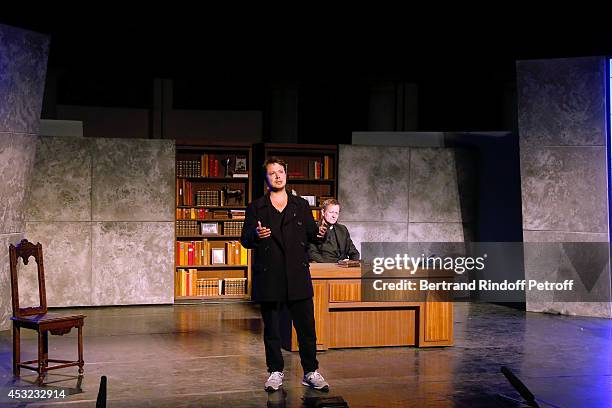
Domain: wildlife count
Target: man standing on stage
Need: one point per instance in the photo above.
(278, 227)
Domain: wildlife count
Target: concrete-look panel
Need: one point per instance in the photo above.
(23, 62)
(61, 182)
(368, 231)
(66, 251)
(581, 258)
(564, 189)
(133, 180)
(435, 232)
(592, 309)
(373, 183)
(554, 236)
(562, 102)
(434, 196)
(17, 153)
(133, 263)
(6, 307)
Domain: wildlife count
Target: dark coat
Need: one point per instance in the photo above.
(324, 251)
(299, 228)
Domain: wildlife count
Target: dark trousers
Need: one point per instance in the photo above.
(302, 314)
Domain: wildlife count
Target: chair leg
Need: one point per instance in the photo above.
(81, 361)
(43, 354)
(16, 349)
(45, 350)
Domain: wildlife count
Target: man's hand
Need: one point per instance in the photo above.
(322, 230)
(263, 232)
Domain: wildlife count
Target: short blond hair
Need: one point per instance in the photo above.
(328, 202)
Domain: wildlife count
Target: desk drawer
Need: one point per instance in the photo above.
(345, 291)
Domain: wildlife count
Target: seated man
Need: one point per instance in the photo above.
(337, 244)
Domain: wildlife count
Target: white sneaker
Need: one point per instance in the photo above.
(274, 381)
(315, 380)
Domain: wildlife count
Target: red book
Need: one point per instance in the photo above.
(190, 256)
(216, 167)
(211, 165)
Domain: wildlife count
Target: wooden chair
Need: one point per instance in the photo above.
(37, 318)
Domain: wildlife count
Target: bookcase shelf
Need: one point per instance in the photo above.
(214, 207)
(203, 193)
(216, 179)
(207, 236)
(306, 180)
(220, 297)
(214, 267)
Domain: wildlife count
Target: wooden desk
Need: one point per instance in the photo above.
(343, 320)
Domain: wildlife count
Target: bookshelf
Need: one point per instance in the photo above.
(213, 188)
(311, 170)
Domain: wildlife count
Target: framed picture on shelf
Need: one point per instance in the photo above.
(241, 164)
(312, 200)
(218, 256)
(209, 228)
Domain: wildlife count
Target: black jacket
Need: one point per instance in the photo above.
(273, 257)
(324, 251)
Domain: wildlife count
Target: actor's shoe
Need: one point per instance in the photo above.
(315, 380)
(274, 381)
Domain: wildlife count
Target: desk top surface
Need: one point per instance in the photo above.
(333, 271)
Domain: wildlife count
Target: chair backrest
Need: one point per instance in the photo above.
(25, 250)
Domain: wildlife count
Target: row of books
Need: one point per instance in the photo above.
(202, 253)
(209, 197)
(216, 198)
(318, 170)
(193, 214)
(208, 166)
(206, 214)
(193, 228)
(219, 198)
(233, 227)
(188, 168)
(187, 228)
(234, 286)
(187, 283)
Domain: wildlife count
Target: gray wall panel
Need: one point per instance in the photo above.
(23, 58)
(17, 153)
(133, 263)
(61, 183)
(382, 187)
(564, 189)
(373, 183)
(67, 256)
(562, 102)
(133, 180)
(374, 231)
(435, 232)
(433, 192)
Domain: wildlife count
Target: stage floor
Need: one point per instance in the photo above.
(212, 356)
